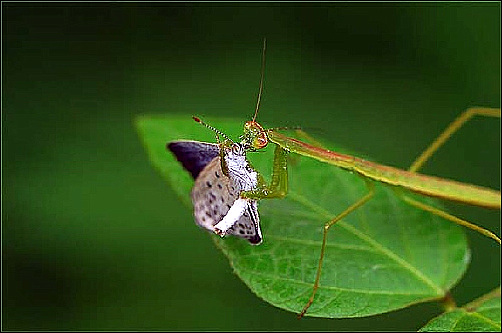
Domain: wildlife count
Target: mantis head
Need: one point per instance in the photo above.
(254, 137)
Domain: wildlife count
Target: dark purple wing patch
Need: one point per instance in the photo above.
(194, 155)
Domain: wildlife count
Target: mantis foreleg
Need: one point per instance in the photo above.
(278, 187)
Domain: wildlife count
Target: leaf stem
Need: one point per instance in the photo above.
(448, 302)
(472, 306)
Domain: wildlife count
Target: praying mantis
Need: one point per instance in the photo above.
(255, 137)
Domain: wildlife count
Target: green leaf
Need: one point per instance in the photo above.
(384, 256)
(485, 317)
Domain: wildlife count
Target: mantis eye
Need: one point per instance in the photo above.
(260, 141)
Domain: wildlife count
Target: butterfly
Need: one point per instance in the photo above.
(221, 173)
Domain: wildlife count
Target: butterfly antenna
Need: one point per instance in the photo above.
(261, 78)
(212, 128)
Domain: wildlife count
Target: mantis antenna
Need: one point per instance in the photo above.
(261, 78)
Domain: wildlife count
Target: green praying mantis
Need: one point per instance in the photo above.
(227, 153)
(370, 171)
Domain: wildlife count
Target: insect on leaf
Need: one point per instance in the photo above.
(384, 256)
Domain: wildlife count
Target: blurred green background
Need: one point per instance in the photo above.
(93, 238)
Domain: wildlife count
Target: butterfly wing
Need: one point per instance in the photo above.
(194, 155)
(248, 226)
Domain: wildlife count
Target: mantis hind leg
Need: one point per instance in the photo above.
(434, 146)
(449, 217)
(448, 132)
(327, 225)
